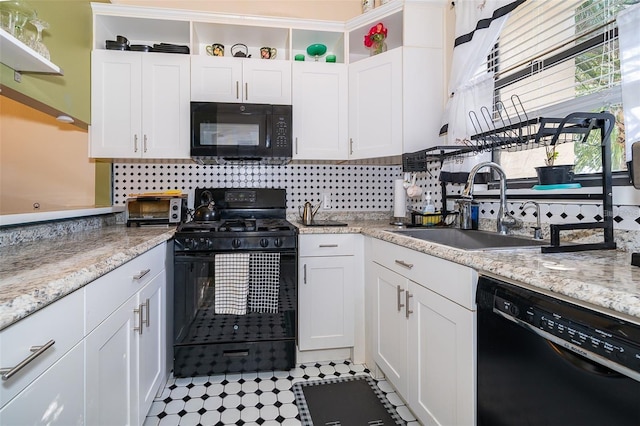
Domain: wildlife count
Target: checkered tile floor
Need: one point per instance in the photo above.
(263, 398)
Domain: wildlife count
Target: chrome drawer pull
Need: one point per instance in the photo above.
(399, 292)
(405, 264)
(327, 245)
(407, 310)
(304, 268)
(141, 274)
(7, 373)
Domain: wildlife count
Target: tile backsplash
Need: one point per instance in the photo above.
(353, 188)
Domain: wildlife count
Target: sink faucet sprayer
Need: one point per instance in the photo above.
(537, 230)
(505, 220)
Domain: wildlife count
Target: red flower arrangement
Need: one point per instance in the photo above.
(375, 39)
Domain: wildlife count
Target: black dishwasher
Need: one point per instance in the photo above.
(543, 361)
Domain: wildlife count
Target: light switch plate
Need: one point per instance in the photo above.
(326, 201)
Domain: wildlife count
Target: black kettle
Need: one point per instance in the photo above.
(240, 50)
(208, 211)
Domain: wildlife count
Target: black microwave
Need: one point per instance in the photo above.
(230, 132)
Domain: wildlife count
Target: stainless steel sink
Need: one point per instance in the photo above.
(471, 240)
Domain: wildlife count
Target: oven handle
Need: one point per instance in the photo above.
(236, 353)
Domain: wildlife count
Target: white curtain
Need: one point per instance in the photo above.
(629, 40)
(478, 25)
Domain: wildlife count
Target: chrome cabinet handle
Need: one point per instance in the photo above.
(296, 144)
(237, 89)
(144, 143)
(147, 314)
(7, 373)
(350, 145)
(246, 91)
(138, 312)
(135, 143)
(405, 264)
(327, 245)
(406, 308)
(399, 292)
(141, 274)
(304, 275)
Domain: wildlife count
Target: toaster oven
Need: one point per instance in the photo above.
(156, 210)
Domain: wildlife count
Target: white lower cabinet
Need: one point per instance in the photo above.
(424, 332)
(54, 398)
(125, 358)
(326, 291)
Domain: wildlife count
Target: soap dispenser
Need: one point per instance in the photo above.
(429, 207)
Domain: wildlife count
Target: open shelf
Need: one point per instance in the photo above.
(147, 31)
(22, 58)
(254, 37)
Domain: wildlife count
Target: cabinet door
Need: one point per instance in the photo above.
(215, 79)
(326, 302)
(152, 352)
(110, 368)
(441, 359)
(390, 326)
(375, 105)
(56, 397)
(165, 106)
(116, 112)
(320, 99)
(266, 81)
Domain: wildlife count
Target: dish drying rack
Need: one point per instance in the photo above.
(524, 133)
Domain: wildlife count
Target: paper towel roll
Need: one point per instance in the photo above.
(399, 199)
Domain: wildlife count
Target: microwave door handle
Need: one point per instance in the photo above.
(268, 141)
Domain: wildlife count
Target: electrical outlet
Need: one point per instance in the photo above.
(326, 201)
(17, 77)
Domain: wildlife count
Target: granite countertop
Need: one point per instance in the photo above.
(35, 274)
(599, 278)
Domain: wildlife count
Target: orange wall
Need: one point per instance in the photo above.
(37, 152)
(328, 10)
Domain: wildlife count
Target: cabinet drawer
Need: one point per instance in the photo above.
(451, 280)
(62, 322)
(55, 398)
(104, 295)
(327, 245)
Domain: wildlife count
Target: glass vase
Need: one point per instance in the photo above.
(377, 47)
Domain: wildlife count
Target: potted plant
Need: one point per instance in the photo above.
(552, 174)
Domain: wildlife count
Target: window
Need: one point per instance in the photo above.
(559, 57)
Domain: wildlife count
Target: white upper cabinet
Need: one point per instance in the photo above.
(219, 79)
(347, 104)
(320, 105)
(139, 105)
(375, 106)
(396, 97)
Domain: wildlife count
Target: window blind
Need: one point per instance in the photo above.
(556, 55)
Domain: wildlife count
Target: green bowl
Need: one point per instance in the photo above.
(316, 49)
(331, 58)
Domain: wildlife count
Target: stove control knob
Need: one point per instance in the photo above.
(235, 243)
(210, 244)
(264, 242)
(191, 243)
(277, 242)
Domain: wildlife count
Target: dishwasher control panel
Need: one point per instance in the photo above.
(610, 341)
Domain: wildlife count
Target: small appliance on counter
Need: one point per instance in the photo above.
(156, 208)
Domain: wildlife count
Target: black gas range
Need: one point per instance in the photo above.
(250, 219)
(235, 285)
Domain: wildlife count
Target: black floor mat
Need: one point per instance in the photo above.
(344, 401)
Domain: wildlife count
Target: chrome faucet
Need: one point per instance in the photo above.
(537, 230)
(505, 219)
